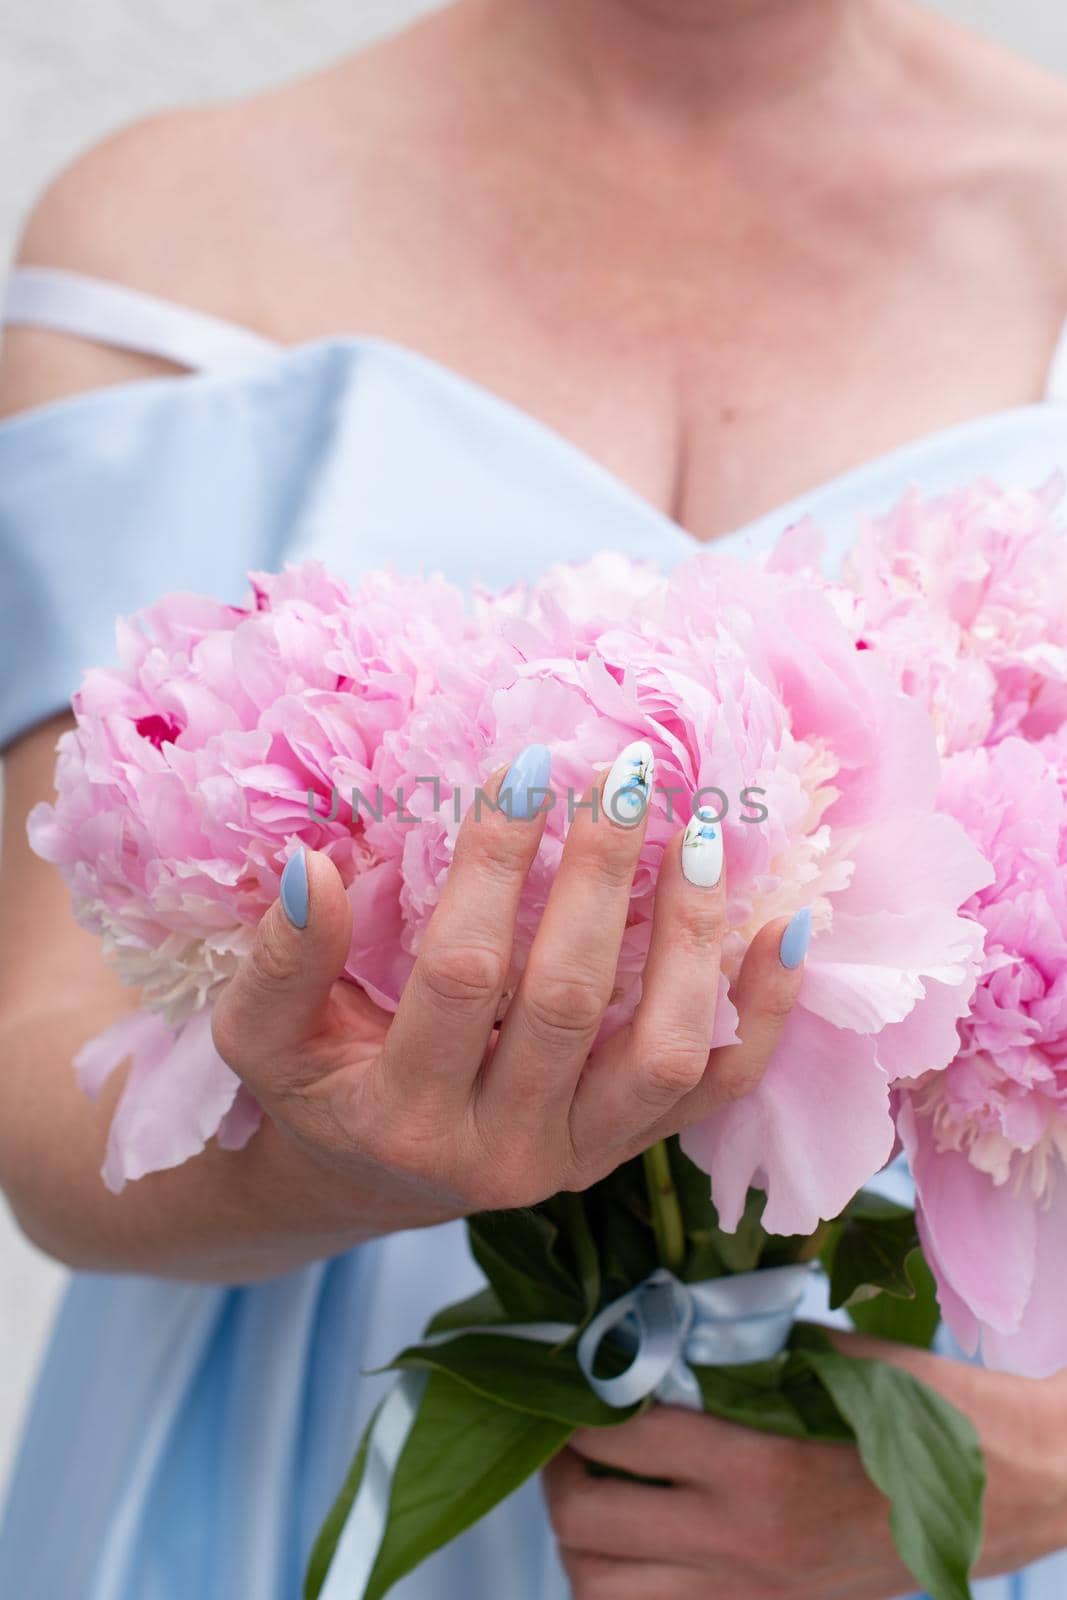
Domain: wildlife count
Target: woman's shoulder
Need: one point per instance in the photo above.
(981, 149)
(1005, 110)
(208, 206)
(155, 187)
(134, 210)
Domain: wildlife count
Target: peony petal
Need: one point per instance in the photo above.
(868, 971)
(1039, 1348)
(241, 1122)
(812, 1133)
(981, 1236)
(957, 1315)
(907, 858)
(144, 1035)
(377, 960)
(928, 1038)
(171, 1105)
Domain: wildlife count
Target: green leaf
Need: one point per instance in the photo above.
(911, 1321)
(330, 1532)
(521, 1253)
(714, 1252)
(781, 1395)
(924, 1455)
(875, 1240)
(464, 1455)
(568, 1211)
(742, 1250)
(693, 1187)
(621, 1224)
(752, 1395)
(480, 1310)
(539, 1379)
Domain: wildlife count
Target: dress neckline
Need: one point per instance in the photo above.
(219, 353)
(782, 515)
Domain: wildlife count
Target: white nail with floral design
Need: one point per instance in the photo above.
(629, 785)
(702, 852)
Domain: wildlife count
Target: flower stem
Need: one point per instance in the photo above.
(812, 1247)
(667, 1219)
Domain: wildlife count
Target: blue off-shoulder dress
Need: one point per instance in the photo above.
(185, 1441)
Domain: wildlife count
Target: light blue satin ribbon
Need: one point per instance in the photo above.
(673, 1327)
(670, 1326)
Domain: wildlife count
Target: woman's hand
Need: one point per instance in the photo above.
(434, 1112)
(753, 1517)
(375, 1123)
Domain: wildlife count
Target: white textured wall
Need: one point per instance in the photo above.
(70, 72)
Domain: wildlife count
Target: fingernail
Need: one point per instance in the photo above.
(795, 940)
(527, 782)
(294, 889)
(629, 784)
(702, 850)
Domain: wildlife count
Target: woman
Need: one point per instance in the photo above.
(624, 272)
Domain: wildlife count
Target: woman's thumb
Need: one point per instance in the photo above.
(277, 997)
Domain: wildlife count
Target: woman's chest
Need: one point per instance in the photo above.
(717, 367)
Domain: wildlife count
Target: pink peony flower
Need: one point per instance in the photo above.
(741, 680)
(987, 1138)
(184, 789)
(963, 596)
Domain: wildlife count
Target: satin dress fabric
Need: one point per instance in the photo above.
(185, 1440)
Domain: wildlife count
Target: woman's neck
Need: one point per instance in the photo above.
(680, 62)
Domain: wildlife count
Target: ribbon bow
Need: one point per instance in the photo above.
(670, 1326)
(675, 1326)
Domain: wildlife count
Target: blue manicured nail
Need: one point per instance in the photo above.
(294, 889)
(795, 940)
(527, 782)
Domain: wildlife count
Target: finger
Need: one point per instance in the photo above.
(659, 1443)
(448, 1010)
(278, 999)
(606, 1516)
(594, 1577)
(674, 1445)
(771, 977)
(567, 985)
(563, 1474)
(935, 1370)
(643, 1071)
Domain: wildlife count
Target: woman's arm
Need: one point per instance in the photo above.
(226, 1214)
(376, 1123)
(753, 1516)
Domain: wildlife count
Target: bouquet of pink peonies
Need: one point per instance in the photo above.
(982, 576)
(862, 746)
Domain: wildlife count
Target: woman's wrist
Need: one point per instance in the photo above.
(300, 1208)
(1024, 1436)
(1022, 1425)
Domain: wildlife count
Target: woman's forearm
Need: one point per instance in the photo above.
(1022, 1424)
(226, 1216)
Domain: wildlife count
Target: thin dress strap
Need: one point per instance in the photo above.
(110, 313)
(1057, 378)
